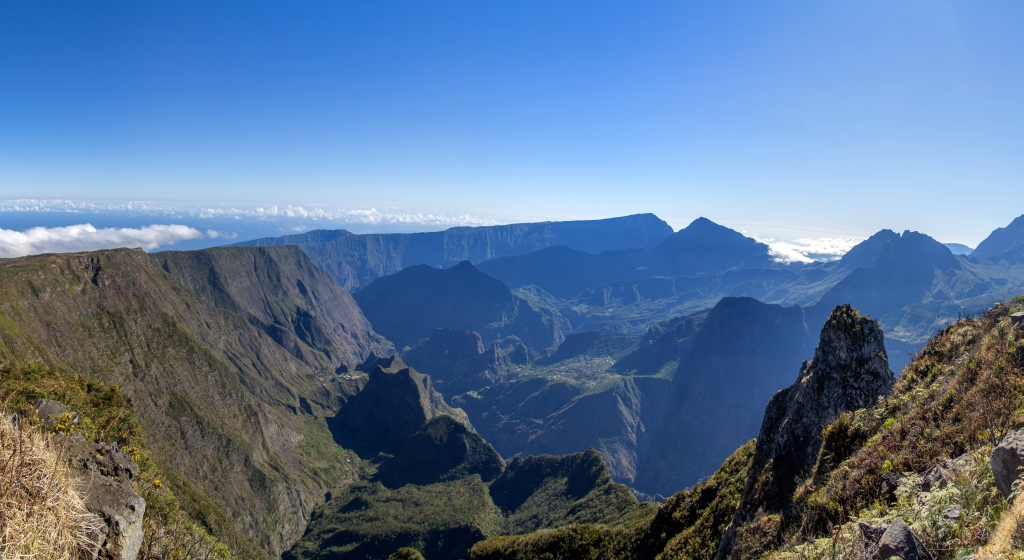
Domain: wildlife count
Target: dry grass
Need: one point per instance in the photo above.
(42, 515)
(1006, 541)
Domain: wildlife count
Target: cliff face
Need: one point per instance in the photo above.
(223, 404)
(701, 247)
(849, 371)
(281, 292)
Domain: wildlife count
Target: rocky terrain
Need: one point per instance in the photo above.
(851, 463)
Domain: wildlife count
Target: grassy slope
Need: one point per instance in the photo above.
(212, 391)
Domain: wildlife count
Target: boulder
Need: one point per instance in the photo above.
(49, 412)
(104, 474)
(1007, 459)
(1017, 318)
(893, 541)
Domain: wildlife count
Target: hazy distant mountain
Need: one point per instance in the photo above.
(354, 260)
(1003, 240)
(409, 306)
(701, 247)
(958, 248)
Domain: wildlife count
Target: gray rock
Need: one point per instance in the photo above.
(1017, 318)
(943, 474)
(105, 474)
(893, 541)
(1007, 459)
(50, 412)
(46, 408)
(850, 370)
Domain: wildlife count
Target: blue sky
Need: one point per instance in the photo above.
(780, 119)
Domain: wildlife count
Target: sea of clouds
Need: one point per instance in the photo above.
(85, 237)
(313, 214)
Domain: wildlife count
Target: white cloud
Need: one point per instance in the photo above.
(332, 215)
(85, 237)
(809, 250)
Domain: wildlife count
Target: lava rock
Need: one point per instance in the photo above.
(893, 541)
(1007, 459)
(105, 473)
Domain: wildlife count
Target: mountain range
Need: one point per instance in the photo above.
(531, 387)
(354, 260)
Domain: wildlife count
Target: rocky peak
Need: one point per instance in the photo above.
(388, 411)
(850, 370)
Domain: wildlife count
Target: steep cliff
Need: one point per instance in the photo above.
(223, 404)
(849, 371)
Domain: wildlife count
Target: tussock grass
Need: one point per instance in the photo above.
(42, 514)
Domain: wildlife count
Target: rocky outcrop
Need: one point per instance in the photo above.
(892, 541)
(388, 411)
(1007, 460)
(849, 371)
(105, 476)
(442, 450)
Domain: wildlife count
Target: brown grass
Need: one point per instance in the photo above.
(42, 515)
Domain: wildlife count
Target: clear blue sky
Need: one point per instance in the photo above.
(776, 118)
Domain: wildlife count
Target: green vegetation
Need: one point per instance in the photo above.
(952, 404)
(689, 525)
(228, 409)
(442, 450)
(444, 519)
(102, 413)
(368, 520)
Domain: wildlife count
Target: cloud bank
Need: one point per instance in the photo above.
(810, 250)
(328, 214)
(85, 237)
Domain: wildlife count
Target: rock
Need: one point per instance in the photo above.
(850, 370)
(1017, 318)
(890, 482)
(50, 412)
(893, 541)
(105, 473)
(1007, 459)
(942, 474)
